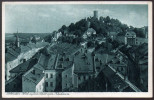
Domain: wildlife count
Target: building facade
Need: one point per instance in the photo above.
(50, 80)
(33, 81)
(130, 38)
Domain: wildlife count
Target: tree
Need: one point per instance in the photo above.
(115, 44)
(139, 32)
(64, 27)
(71, 27)
(78, 33)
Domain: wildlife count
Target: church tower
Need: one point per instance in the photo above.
(17, 43)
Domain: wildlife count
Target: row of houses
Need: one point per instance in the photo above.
(64, 67)
(129, 38)
(51, 63)
(18, 53)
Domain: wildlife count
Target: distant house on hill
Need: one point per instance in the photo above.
(35, 39)
(57, 35)
(145, 31)
(140, 41)
(89, 32)
(112, 35)
(129, 38)
(24, 42)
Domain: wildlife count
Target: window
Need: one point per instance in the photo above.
(33, 72)
(98, 68)
(66, 76)
(122, 69)
(84, 77)
(46, 84)
(60, 66)
(51, 76)
(14, 85)
(67, 59)
(24, 60)
(61, 59)
(96, 59)
(79, 78)
(59, 75)
(89, 77)
(51, 84)
(46, 75)
(66, 84)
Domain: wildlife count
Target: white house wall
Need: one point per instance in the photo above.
(49, 80)
(12, 64)
(40, 86)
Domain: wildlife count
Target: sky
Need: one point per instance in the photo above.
(30, 18)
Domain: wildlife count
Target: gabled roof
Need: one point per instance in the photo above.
(90, 30)
(113, 33)
(21, 68)
(47, 62)
(11, 54)
(62, 48)
(9, 57)
(14, 52)
(131, 33)
(24, 66)
(34, 77)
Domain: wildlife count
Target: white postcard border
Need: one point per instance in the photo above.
(148, 94)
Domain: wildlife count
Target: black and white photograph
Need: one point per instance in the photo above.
(77, 49)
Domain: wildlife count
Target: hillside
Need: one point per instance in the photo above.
(102, 26)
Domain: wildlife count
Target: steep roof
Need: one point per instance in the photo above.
(66, 48)
(47, 62)
(11, 54)
(24, 66)
(14, 52)
(36, 76)
(115, 80)
(21, 68)
(83, 63)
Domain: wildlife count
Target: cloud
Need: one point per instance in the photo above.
(45, 18)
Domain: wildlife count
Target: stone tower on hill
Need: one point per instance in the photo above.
(96, 14)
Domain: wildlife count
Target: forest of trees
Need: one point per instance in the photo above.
(102, 26)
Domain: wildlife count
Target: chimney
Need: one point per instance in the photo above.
(33, 71)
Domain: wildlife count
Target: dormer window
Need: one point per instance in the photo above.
(61, 59)
(67, 59)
